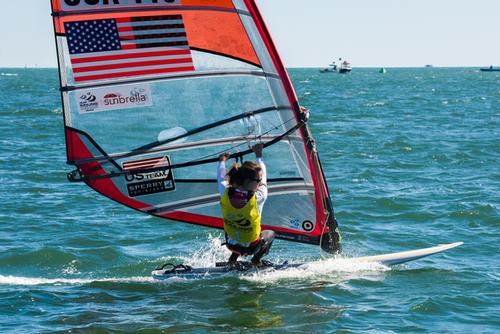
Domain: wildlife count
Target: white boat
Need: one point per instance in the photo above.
(331, 68)
(345, 67)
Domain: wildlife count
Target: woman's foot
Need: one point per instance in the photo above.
(261, 263)
(232, 262)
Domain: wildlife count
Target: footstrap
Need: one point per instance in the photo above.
(171, 268)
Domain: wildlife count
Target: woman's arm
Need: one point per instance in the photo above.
(262, 190)
(221, 173)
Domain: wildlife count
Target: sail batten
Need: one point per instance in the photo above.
(200, 74)
(198, 144)
(152, 94)
(204, 201)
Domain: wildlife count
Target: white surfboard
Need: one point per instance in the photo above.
(391, 259)
(402, 257)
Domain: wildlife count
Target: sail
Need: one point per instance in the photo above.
(154, 90)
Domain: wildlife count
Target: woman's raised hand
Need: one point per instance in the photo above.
(224, 156)
(258, 150)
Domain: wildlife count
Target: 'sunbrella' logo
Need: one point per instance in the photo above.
(136, 97)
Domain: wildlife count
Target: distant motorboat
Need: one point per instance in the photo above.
(345, 67)
(490, 69)
(331, 68)
(429, 65)
(327, 69)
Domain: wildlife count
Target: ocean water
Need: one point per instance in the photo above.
(412, 159)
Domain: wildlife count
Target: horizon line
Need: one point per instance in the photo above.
(311, 67)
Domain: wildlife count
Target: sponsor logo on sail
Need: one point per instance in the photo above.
(124, 97)
(294, 223)
(136, 97)
(87, 102)
(139, 183)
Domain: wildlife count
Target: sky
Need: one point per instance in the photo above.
(312, 33)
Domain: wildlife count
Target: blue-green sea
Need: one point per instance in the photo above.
(412, 159)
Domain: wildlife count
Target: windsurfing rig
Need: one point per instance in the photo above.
(154, 91)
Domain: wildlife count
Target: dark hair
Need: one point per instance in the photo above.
(238, 174)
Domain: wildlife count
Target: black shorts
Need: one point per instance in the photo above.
(259, 247)
(242, 250)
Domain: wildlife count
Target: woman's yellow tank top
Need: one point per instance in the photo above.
(242, 225)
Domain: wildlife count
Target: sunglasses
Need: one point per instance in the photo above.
(256, 180)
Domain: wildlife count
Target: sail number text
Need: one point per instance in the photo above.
(114, 2)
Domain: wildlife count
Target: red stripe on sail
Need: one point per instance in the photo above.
(122, 19)
(130, 55)
(129, 47)
(195, 219)
(146, 163)
(124, 29)
(151, 27)
(146, 166)
(133, 73)
(217, 222)
(135, 162)
(134, 64)
(127, 38)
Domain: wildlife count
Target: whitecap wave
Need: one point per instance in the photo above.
(375, 104)
(339, 268)
(27, 281)
(209, 253)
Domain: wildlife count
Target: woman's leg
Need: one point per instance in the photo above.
(234, 256)
(266, 241)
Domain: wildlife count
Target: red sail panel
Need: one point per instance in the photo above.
(230, 38)
(105, 186)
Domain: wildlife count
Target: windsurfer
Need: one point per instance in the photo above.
(243, 191)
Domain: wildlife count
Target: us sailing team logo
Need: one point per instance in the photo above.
(88, 102)
(89, 97)
(161, 179)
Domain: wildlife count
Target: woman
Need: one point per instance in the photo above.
(242, 198)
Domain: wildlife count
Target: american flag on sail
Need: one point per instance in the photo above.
(156, 162)
(125, 47)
